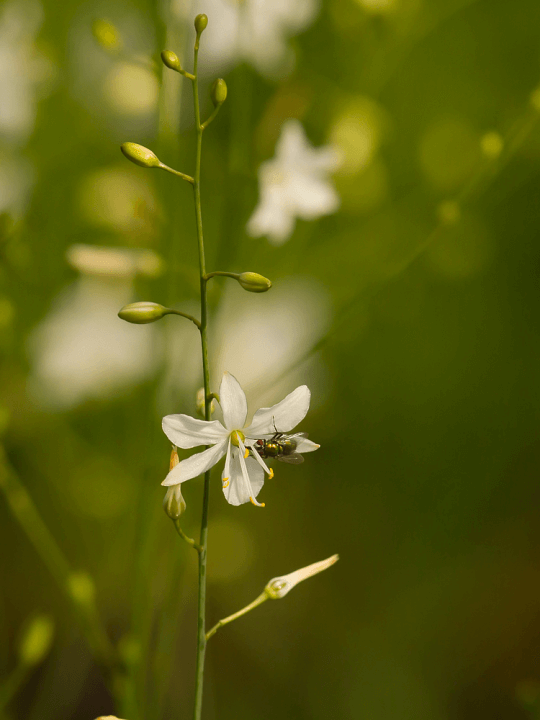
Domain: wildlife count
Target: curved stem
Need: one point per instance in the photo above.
(183, 314)
(221, 273)
(179, 174)
(207, 122)
(201, 625)
(252, 605)
(183, 535)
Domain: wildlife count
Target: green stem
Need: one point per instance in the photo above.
(179, 174)
(252, 605)
(201, 626)
(183, 535)
(185, 315)
(221, 273)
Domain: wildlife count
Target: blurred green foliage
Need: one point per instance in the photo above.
(412, 314)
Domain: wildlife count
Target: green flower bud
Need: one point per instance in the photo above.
(200, 403)
(171, 60)
(36, 641)
(141, 313)
(173, 502)
(218, 92)
(253, 282)
(201, 21)
(106, 34)
(81, 588)
(140, 155)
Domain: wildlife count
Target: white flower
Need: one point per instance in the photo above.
(252, 30)
(243, 474)
(280, 586)
(293, 184)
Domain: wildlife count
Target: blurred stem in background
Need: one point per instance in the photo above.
(77, 587)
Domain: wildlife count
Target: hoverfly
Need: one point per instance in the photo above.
(281, 447)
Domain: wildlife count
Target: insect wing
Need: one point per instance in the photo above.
(292, 459)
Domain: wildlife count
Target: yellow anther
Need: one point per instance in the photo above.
(270, 474)
(246, 454)
(256, 504)
(226, 482)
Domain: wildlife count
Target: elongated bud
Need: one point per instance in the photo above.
(37, 640)
(140, 155)
(201, 21)
(141, 313)
(280, 586)
(171, 60)
(218, 92)
(253, 282)
(173, 502)
(106, 34)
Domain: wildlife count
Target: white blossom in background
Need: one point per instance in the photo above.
(244, 471)
(254, 31)
(23, 69)
(82, 350)
(294, 184)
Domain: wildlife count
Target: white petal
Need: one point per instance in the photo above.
(187, 432)
(233, 402)
(281, 417)
(196, 464)
(237, 492)
(304, 445)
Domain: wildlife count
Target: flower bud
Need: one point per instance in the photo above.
(280, 586)
(201, 21)
(81, 588)
(173, 502)
(106, 34)
(200, 404)
(36, 641)
(140, 155)
(171, 60)
(218, 92)
(141, 313)
(253, 282)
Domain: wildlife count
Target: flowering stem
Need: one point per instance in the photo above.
(201, 636)
(252, 605)
(179, 174)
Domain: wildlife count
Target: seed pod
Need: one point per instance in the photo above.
(218, 92)
(171, 60)
(201, 21)
(253, 282)
(140, 155)
(141, 313)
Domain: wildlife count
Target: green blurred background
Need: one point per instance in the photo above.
(411, 312)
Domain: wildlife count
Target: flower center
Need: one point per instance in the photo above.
(236, 436)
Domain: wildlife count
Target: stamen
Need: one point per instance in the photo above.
(246, 454)
(245, 475)
(257, 504)
(264, 466)
(226, 482)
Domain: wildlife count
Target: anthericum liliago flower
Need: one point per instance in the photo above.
(244, 471)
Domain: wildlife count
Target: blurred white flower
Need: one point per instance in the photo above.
(252, 30)
(293, 184)
(23, 69)
(243, 474)
(82, 349)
